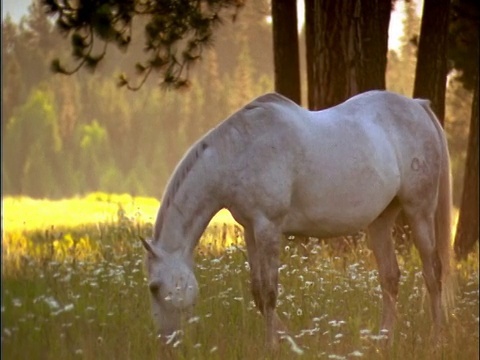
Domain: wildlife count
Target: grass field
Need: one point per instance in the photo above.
(73, 287)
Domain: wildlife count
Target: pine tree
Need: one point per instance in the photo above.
(431, 70)
(33, 142)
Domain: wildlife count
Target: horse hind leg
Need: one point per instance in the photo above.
(381, 243)
(422, 224)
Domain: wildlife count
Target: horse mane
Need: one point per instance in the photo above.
(212, 138)
(247, 120)
(179, 175)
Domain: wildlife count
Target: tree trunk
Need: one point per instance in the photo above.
(347, 44)
(430, 75)
(431, 71)
(467, 228)
(310, 52)
(285, 49)
(329, 52)
(373, 51)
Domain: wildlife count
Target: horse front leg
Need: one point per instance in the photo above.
(265, 260)
(256, 271)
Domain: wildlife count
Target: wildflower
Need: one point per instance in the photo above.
(378, 337)
(194, 319)
(293, 346)
(356, 353)
(52, 302)
(337, 357)
(172, 336)
(336, 323)
(319, 318)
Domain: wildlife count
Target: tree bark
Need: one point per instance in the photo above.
(467, 227)
(328, 57)
(285, 49)
(431, 70)
(373, 41)
(311, 52)
(347, 44)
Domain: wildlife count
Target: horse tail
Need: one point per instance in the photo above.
(443, 215)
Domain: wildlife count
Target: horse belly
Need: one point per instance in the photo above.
(333, 208)
(323, 225)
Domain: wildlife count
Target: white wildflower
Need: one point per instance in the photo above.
(356, 353)
(52, 302)
(194, 319)
(293, 346)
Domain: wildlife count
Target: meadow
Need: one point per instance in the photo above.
(73, 287)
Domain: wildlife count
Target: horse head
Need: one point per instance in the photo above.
(173, 287)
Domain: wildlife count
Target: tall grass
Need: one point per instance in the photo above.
(79, 292)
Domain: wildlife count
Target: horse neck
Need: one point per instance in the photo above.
(183, 216)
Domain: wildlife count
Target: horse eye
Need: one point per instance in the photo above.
(154, 287)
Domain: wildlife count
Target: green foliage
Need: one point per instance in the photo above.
(175, 33)
(112, 139)
(34, 142)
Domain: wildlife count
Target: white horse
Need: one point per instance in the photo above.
(281, 169)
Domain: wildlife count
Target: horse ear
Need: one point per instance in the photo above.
(148, 247)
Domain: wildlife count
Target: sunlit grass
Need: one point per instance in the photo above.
(75, 228)
(26, 214)
(78, 291)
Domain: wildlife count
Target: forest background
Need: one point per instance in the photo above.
(68, 136)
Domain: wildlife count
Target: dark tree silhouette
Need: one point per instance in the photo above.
(347, 45)
(176, 32)
(467, 227)
(463, 52)
(285, 49)
(431, 70)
